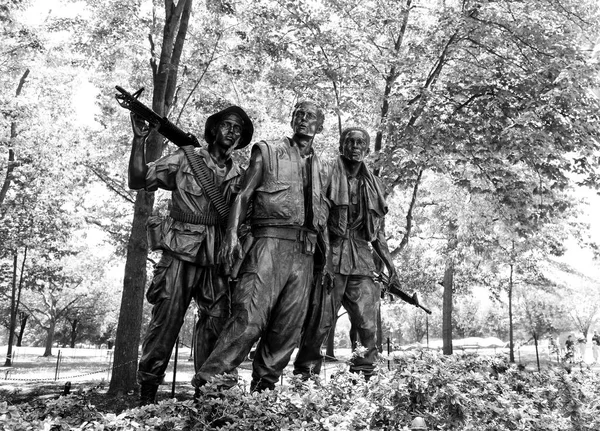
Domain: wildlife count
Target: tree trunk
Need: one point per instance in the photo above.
(18, 301)
(73, 335)
(379, 330)
(13, 315)
(510, 318)
(447, 307)
(23, 317)
(127, 339)
(49, 338)
(130, 316)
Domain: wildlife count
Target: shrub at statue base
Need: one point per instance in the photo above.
(464, 392)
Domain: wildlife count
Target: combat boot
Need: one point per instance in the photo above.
(148, 394)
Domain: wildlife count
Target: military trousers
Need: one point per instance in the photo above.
(269, 302)
(175, 283)
(360, 296)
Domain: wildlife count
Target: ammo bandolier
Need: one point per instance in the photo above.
(271, 298)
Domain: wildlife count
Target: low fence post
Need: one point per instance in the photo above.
(537, 355)
(57, 366)
(110, 360)
(388, 351)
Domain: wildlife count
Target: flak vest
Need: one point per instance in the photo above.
(280, 199)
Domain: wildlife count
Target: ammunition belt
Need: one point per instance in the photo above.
(210, 219)
(202, 173)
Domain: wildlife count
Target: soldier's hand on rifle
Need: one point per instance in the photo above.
(394, 279)
(139, 125)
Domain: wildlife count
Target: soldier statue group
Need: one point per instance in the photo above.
(315, 233)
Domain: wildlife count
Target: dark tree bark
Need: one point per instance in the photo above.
(23, 317)
(73, 335)
(49, 338)
(447, 308)
(134, 283)
(127, 338)
(510, 317)
(448, 294)
(379, 330)
(15, 300)
(13, 315)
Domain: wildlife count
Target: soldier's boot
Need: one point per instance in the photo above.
(148, 394)
(260, 386)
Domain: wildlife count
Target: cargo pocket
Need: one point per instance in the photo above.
(273, 201)
(184, 240)
(158, 287)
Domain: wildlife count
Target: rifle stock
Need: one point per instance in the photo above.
(162, 124)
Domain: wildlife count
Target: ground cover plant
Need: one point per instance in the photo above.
(459, 392)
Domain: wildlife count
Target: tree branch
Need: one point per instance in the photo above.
(409, 217)
(11, 152)
(112, 184)
(510, 32)
(161, 79)
(210, 60)
(390, 80)
(153, 65)
(177, 50)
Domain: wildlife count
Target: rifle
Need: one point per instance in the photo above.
(181, 139)
(163, 125)
(393, 289)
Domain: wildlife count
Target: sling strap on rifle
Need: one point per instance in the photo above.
(204, 177)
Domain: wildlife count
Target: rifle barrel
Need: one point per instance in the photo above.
(163, 125)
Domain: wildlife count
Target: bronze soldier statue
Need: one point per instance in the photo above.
(355, 227)
(190, 238)
(270, 300)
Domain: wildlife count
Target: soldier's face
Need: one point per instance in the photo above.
(229, 131)
(355, 146)
(306, 121)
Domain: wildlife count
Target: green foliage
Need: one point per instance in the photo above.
(466, 392)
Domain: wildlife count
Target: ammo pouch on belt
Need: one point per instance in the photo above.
(308, 238)
(157, 229)
(155, 232)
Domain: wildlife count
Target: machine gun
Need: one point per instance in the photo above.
(181, 139)
(162, 124)
(393, 289)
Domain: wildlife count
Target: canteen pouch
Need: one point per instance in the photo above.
(155, 232)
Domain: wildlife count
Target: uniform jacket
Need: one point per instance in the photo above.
(350, 240)
(196, 243)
